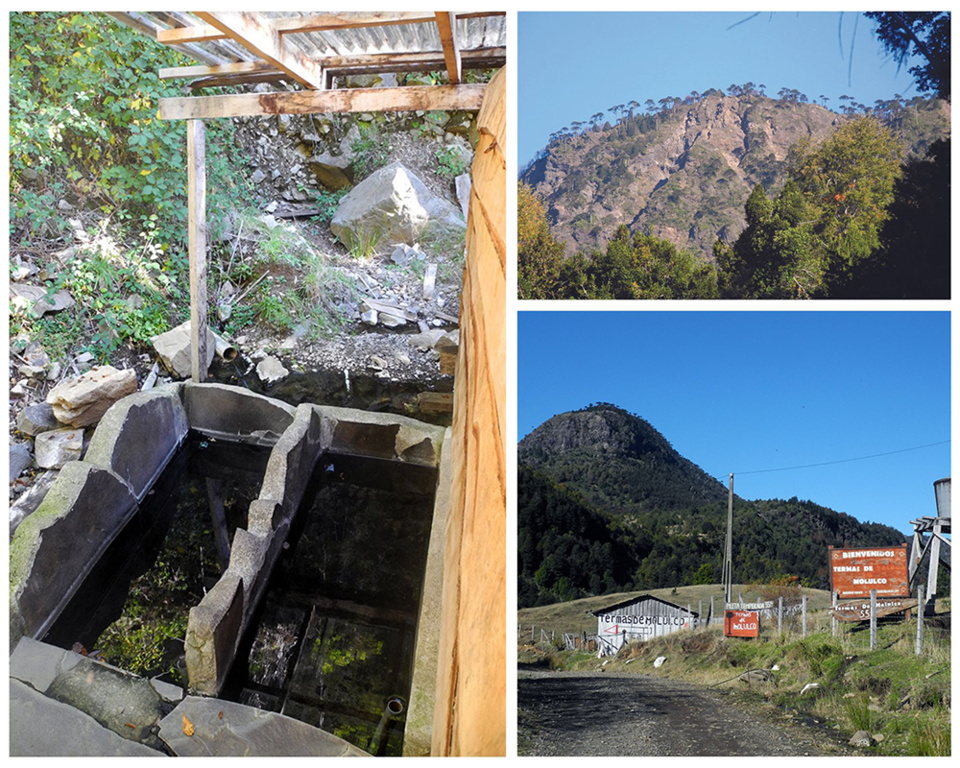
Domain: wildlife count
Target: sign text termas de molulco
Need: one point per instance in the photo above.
(854, 572)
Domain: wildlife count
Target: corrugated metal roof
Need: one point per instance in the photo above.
(473, 32)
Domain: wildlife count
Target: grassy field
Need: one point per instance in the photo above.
(837, 684)
(577, 615)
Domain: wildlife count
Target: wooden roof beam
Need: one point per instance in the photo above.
(405, 99)
(199, 34)
(369, 63)
(325, 21)
(264, 42)
(447, 25)
(234, 68)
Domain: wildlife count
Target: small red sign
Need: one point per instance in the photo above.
(854, 572)
(741, 624)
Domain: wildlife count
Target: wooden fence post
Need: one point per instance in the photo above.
(873, 619)
(803, 612)
(780, 614)
(920, 621)
(833, 619)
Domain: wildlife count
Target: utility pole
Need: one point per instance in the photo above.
(728, 549)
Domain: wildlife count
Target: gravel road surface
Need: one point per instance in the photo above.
(597, 713)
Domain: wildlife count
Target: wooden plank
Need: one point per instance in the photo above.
(470, 711)
(198, 34)
(235, 68)
(433, 403)
(263, 41)
(446, 23)
(405, 99)
(323, 21)
(232, 80)
(478, 58)
(197, 238)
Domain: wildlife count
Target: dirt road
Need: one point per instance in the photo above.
(596, 713)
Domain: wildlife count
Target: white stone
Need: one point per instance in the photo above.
(55, 448)
(270, 370)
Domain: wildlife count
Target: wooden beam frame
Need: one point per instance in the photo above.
(405, 99)
(219, 70)
(354, 20)
(198, 34)
(264, 42)
(362, 64)
(447, 25)
(325, 21)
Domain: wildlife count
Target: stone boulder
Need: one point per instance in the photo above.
(270, 370)
(58, 446)
(393, 206)
(39, 301)
(82, 401)
(37, 418)
(173, 347)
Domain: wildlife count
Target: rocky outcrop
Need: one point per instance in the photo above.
(293, 158)
(683, 174)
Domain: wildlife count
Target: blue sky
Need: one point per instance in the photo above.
(746, 391)
(573, 65)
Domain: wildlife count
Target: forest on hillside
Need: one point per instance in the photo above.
(569, 549)
(605, 504)
(863, 212)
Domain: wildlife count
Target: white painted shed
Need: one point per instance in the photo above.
(640, 618)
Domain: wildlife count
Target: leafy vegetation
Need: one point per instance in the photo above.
(86, 145)
(637, 267)
(823, 226)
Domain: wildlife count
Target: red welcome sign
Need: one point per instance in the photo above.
(741, 624)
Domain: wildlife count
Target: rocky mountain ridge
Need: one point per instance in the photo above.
(617, 460)
(684, 173)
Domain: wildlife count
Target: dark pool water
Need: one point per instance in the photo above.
(335, 640)
(132, 608)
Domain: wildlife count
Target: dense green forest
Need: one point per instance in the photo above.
(85, 144)
(863, 212)
(636, 515)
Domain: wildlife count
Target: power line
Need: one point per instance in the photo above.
(841, 461)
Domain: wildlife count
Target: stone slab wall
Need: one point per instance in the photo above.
(232, 413)
(212, 633)
(136, 438)
(418, 731)
(88, 505)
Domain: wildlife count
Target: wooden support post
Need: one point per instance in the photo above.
(780, 614)
(197, 232)
(833, 619)
(933, 567)
(803, 611)
(873, 619)
(711, 610)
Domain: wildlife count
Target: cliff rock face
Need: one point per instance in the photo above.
(618, 461)
(684, 173)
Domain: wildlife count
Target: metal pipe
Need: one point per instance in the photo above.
(225, 351)
(392, 710)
